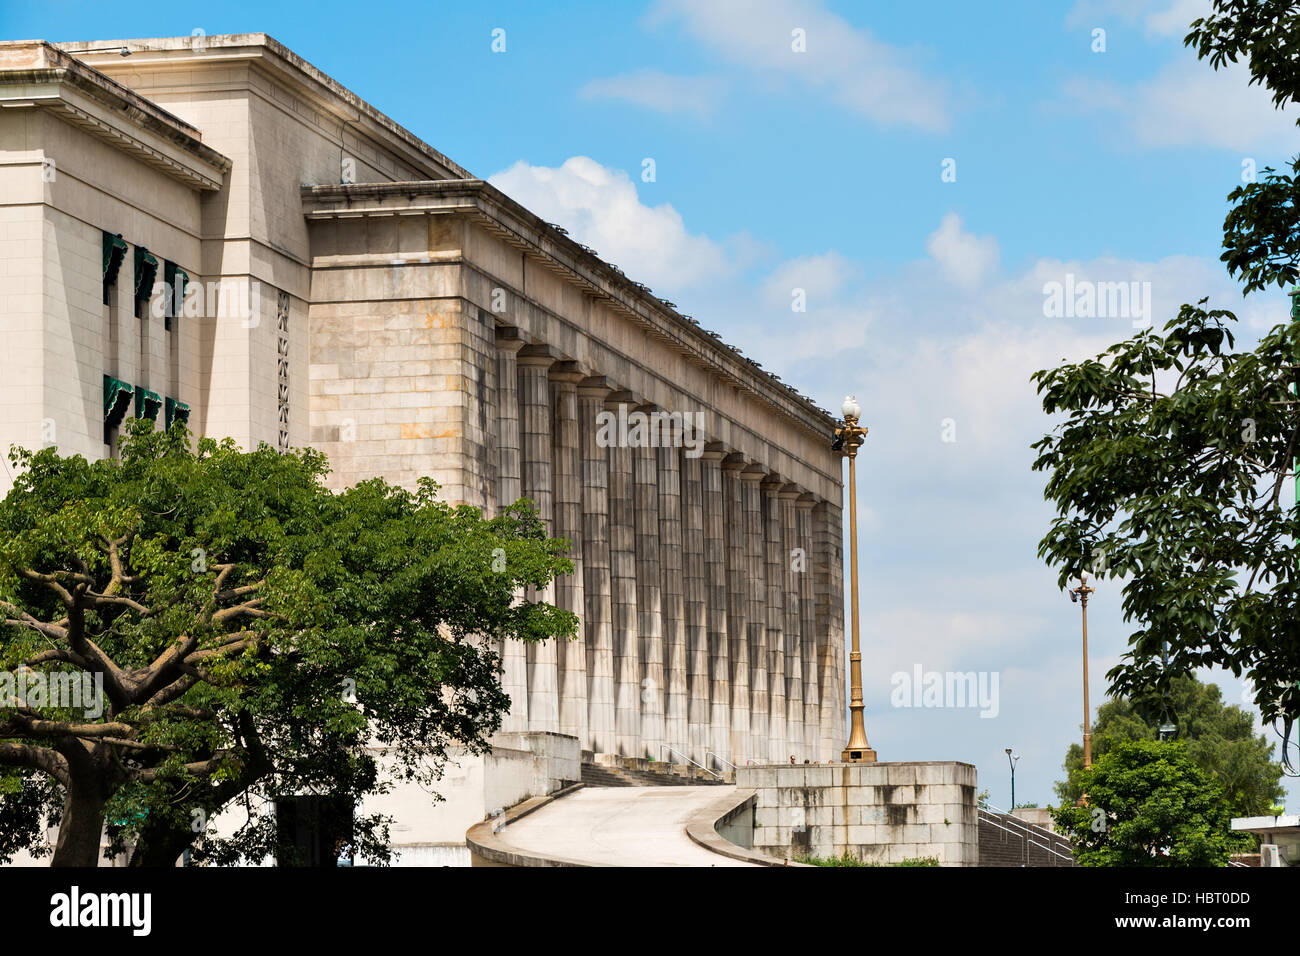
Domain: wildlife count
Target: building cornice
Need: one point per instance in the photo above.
(37, 75)
(267, 54)
(574, 262)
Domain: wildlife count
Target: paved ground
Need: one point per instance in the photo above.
(620, 826)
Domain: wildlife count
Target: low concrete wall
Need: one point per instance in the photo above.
(475, 788)
(726, 826)
(881, 813)
(737, 825)
(488, 848)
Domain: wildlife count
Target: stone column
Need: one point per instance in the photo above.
(812, 701)
(837, 637)
(737, 607)
(598, 621)
(795, 563)
(623, 586)
(571, 655)
(698, 685)
(514, 654)
(649, 595)
(480, 457)
(671, 575)
(538, 484)
(774, 607)
(756, 613)
(715, 575)
(830, 627)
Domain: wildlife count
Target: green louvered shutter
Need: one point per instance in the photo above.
(117, 399)
(146, 271)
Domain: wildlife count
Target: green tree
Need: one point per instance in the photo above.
(1261, 236)
(254, 633)
(1220, 739)
(1148, 805)
(1173, 464)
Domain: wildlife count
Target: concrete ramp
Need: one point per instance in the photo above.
(617, 826)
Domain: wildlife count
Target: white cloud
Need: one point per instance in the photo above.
(857, 71)
(1188, 103)
(600, 208)
(698, 96)
(965, 258)
(821, 277)
(1161, 18)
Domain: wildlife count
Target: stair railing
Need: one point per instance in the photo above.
(1027, 837)
(1027, 834)
(663, 747)
(719, 759)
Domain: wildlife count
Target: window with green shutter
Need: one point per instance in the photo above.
(114, 253)
(146, 271)
(147, 404)
(117, 399)
(175, 411)
(175, 279)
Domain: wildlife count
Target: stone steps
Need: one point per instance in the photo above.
(638, 772)
(1003, 838)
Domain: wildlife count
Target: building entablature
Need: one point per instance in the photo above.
(573, 262)
(37, 75)
(188, 56)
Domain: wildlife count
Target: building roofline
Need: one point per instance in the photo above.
(38, 73)
(462, 195)
(630, 294)
(262, 45)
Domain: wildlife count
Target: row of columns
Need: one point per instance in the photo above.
(708, 589)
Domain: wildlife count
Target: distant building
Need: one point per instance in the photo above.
(1279, 837)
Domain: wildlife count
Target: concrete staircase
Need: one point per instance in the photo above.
(609, 770)
(1009, 841)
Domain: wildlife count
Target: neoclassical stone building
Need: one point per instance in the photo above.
(344, 285)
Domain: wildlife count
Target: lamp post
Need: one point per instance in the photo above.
(1168, 730)
(1024, 837)
(847, 441)
(1079, 595)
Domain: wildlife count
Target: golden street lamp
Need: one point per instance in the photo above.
(847, 441)
(1079, 595)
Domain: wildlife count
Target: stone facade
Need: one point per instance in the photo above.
(881, 813)
(374, 300)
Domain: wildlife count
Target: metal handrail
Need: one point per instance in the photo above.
(1028, 834)
(718, 757)
(1029, 838)
(1029, 841)
(663, 747)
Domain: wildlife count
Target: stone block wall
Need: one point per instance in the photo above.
(882, 813)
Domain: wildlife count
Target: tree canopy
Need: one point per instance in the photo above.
(1173, 465)
(1220, 739)
(253, 634)
(1148, 805)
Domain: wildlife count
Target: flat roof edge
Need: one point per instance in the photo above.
(481, 189)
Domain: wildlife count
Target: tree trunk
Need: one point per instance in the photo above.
(82, 825)
(160, 846)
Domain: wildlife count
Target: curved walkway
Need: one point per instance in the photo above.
(618, 826)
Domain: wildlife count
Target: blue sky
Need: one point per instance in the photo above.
(820, 170)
